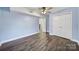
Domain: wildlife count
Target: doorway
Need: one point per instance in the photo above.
(42, 24)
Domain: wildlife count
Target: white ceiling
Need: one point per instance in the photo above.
(26, 10)
(35, 10)
(38, 9)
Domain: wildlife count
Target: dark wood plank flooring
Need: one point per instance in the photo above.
(40, 42)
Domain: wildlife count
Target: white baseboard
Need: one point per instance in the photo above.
(71, 39)
(16, 38)
(0, 44)
(75, 41)
(50, 33)
(29, 35)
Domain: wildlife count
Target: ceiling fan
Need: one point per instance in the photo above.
(44, 10)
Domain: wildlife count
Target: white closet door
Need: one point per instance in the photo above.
(56, 25)
(62, 25)
(68, 26)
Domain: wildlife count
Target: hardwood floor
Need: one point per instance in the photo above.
(40, 42)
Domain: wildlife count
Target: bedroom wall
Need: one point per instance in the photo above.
(16, 25)
(75, 21)
(75, 18)
(47, 23)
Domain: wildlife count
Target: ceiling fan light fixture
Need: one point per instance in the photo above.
(44, 10)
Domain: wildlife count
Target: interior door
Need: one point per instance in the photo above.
(56, 26)
(68, 26)
(62, 25)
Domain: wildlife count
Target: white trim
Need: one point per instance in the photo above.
(65, 37)
(0, 44)
(16, 38)
(24, 10)
(75, 41)
(29, 35)
(51, 33)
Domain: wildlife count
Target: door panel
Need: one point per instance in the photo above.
(55, 25)
(68, 26)
(62, 25)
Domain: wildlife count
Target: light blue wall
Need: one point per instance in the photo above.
(75, 21)
(75, 18)
(5, 8)
(50, 23)
(47, 23)
(13, 24)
